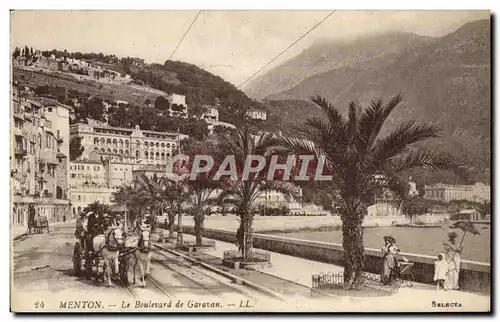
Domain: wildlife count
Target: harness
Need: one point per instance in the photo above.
(141, 247)
(108, 244)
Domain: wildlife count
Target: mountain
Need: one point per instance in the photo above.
(445, 81)
(327, 55)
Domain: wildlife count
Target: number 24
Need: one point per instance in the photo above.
(39, 305)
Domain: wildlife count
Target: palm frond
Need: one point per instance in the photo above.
(337, 121)
(374, 117)
(398, 141)
(426, 159)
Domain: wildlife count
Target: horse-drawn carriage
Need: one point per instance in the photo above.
(37, 224)
(110, 252)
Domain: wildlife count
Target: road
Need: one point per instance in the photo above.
(43, 272)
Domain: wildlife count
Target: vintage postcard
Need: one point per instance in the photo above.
(250, 161)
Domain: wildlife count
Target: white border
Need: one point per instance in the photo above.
(178, 5)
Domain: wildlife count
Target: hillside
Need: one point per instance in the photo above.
(446, 81)
(149, 82)
(328, 55)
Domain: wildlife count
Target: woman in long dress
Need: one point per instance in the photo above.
(452, 251)
(389, 261)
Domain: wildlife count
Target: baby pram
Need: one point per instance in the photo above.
(403, 273)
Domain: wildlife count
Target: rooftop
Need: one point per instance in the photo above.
(127, 129)
(46, 101)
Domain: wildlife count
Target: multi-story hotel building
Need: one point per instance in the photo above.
(478, 192)
(39, 157)
(110, 157)
(127, 145)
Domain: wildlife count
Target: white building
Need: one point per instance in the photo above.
(127, 145)
(176, 99)
(479, 192)
(211, 114)
(178, 106)
(256, 114)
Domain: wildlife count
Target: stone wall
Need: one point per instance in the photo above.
(474, 276)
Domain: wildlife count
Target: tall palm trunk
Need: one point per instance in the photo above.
(354, 253)
(246, 224)
(199, 218)
(171, 223)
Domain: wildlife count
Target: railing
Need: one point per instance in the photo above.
(368, 281)
(193, 244)
(254, 254)
(327, 279)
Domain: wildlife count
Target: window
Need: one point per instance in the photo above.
(79, 199)
(50, 109)
(137, 153)
(73, 175)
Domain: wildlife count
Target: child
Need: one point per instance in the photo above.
(440, 272)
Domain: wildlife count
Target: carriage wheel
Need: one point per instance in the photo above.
(88, 266)
(396, 282)
(410, 281)
(77, 259)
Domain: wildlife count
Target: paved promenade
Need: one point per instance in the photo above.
(17, 231)
(420, 297)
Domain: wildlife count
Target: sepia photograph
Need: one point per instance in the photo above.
(244, 161)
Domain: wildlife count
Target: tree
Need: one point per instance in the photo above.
(97, 208)
(202, 189)
(75, 148)
(133, 197)
(356, 157)
(243, 193)
(174, 194)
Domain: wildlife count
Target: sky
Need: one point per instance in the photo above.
(231, 44)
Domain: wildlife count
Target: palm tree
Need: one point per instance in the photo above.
(133, 196)
(153, 195)
(174, 195)
(355, 154)
(202, 193)
(97, 208)
(243, 193)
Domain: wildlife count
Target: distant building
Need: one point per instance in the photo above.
(478, 192)
(256, 114)
(468, 214)
(178, 106)
(211, 114)
(149, 171)
(176, 99)
(82, 197)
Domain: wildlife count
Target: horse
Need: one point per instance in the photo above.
(108, 247)
(140, 255)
